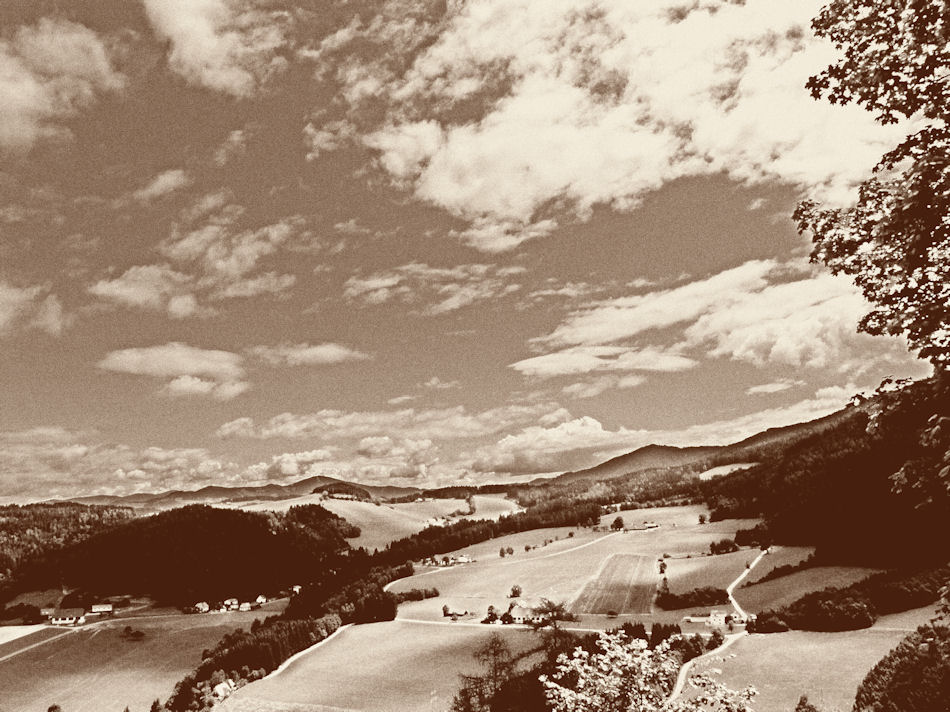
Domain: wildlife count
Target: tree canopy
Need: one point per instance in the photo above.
(895, 240)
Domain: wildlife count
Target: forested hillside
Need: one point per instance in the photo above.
(31, 530)
(197, 552)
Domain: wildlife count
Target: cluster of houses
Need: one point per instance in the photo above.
(232, 604)
(75, 616)
(447, 560)
(718, 619)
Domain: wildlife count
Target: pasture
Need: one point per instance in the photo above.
(825, 666)
(624, 584)
(780, 556)
(787, 589)
(698, 571)
(96, 668)
(385, 522)
(413, 667)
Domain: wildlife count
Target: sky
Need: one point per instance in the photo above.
(412, 242)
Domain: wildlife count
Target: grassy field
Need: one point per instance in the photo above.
(787, 589)
(383, 523)
(560, 570)
(414, 667)
(95, 669)
(716, 571)
(625, 584)
(780, 556)
(825, 666)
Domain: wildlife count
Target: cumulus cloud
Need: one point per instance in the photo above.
(187, 370)
(49, 72)
(598, 103)
(163, 184)
(307, 354)
(62, 463)
(436, 290)
(438, 384)
(158, 287)
(226, 45)
(435, 424)
(592, 388)
(773, 387)
(32, 307)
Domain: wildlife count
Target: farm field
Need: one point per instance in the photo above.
(14, 642)
(782, 591)
(780, 556)
(716, 571)
(383, 523)
(414, 667)
(625, 584)
(560, 570)
(828, 667)
(94, 669)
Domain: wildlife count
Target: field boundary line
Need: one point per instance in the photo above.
(38, 644)
(299, 654)
(561, 553)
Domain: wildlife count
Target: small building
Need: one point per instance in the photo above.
(464, 559)
(47, 612)
(262, 599)
(231, 604)
(716, 618)
(295, 589)
(103, 609)
(68, 616)
(202, 607)
(245, 606)
(223, 689)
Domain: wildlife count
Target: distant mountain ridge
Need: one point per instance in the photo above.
(213, 494)
(654, 456)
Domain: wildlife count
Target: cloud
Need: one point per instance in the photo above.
(438, 384)
(58, 462)
(226, 45)
(502, 109)
(234, 146)
(31, 308)
(307, 354)
(773, 387)
(163, 184)
(188, 370)
(437, 290)
(157, 287)
(594, 387)
(49, 72)
(435, 424)
(624, 317)
(589, 359)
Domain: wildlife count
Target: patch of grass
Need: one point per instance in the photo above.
(825, 666)
(786, 590)
(414, 667)
(97, 668)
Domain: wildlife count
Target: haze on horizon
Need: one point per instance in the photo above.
(412, 243)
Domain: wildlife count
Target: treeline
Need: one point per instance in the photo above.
(247, 656)
(864, 490)
(437, 540)
(913, 677)
(784, 570)
(856, 606)
(696, 598)
(32, 530)
(197, 553)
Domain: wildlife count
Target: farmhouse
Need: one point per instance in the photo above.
(523, 613)
(202, 607)
(716, 618)
(232, 604)
(68, 616)
(103, 609)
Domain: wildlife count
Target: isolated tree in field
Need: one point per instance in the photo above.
(617, 524)
(477, 691)
(515, 591)
(156, 706)
(804, 705)
(501, 552)
(702, 518)
(509, 551)
(54, 708)
(895, 240)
